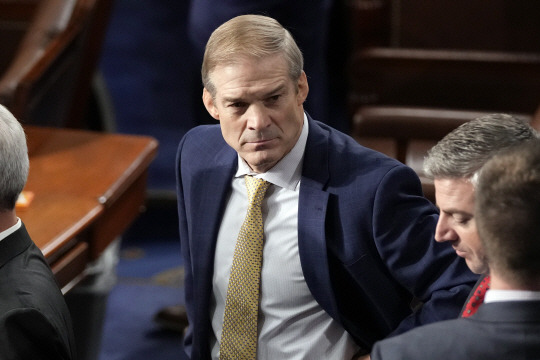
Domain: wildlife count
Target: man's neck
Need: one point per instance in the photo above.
(8, 218)
(505, 283)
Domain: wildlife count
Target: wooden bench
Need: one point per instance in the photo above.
(407, 133)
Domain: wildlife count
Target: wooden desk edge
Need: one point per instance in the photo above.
(70, 251)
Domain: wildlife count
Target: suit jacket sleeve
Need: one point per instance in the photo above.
(28, 335)
(404, 225)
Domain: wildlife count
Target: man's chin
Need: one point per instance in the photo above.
(476, 267)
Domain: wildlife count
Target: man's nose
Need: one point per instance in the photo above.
(444, 232)
(257, 117)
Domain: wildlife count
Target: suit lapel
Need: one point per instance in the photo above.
(208, 195)
(208, 199)
(312, 212)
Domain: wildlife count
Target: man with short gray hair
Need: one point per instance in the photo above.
(453, 162)
(34, 319)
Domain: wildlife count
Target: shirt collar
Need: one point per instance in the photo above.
(4, 234)
(511, 295)
(287, 172)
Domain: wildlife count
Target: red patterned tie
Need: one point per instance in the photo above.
(477, 298)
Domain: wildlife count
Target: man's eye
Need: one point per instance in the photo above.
(461, 220)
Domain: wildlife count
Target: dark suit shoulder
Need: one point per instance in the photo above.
(203, 145)
(28, 334)
(344, 146)
(431, 341)
(29, 288)
(345, 160)
(26, 278)
(464, 338)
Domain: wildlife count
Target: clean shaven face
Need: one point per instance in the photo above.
(259, 107)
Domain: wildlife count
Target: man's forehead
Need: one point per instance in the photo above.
(453, 183)
(242, 63)
(260, 91)
(238, 87)
(454, 192)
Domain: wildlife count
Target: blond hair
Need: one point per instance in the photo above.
(250, 36)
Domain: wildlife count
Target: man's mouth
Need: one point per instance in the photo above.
(260, 142)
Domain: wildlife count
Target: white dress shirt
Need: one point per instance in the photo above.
(292, 325)
(511, 295)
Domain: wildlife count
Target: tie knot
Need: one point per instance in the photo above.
(256, 189)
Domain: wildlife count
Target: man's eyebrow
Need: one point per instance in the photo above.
(276, 90)
(233, 99)
(452, 211)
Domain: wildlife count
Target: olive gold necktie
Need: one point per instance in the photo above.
(239, 334)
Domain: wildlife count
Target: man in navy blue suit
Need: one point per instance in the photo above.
(311, 31)
(507, 325)
(348, 236)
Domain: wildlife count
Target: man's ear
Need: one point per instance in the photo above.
(209, 104)
(303, 88)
